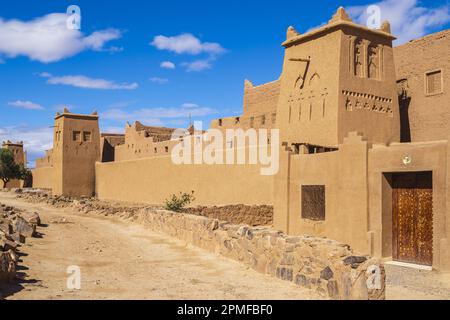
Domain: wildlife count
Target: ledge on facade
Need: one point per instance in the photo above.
(409, 144)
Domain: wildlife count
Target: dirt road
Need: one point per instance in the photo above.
(120, 260)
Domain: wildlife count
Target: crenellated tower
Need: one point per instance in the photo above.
(76, 148)
(337, 79)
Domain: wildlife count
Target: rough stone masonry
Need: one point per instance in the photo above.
(15, 227)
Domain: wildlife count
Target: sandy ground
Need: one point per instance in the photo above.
(120, 260)
(412, 284)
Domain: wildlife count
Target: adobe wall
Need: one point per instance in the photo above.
(364, 99)
(343, 174)
(358, 197)
(256, 215)
(304, 115)
(14, 184)
(260, 108)
(78, 155)
(152, 180)
(262, 99)
(428, 115)
(108, 142)
(43, 178)
(427, 156)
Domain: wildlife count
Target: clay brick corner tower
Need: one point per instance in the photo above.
(337, 79)
(76, 149)
(17, 151)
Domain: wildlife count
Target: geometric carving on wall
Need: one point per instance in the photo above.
(366, 101)
(313, 202)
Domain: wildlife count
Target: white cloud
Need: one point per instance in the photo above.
(36, 140)
(84, 82)
(25, 105)
(167, 65)
(155, 115)
(186, 43)
(159, 80)
(198, 65)
(44, 75)
(47, 39)
(409, 20)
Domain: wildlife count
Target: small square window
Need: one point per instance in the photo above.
(434, 82)
(77, 136)
(274, 118)
(313, 202)
(167, 149)
(86, 136)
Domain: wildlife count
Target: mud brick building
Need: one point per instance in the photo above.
(364, 155)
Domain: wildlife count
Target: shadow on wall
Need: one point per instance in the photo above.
(405, 129)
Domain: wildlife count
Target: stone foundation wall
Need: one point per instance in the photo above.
(324, 265)
(237, 214)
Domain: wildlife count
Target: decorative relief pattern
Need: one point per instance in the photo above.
(308, 100)
(366, 101)
(374, 63)
(366, 59)
(359, 59)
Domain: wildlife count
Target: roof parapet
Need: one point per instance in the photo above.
(340, 15)
(291, 32)
(339, 20)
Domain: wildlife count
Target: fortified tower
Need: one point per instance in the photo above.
(337, 79)
(76, 148)
(19, 158)
(17, 151)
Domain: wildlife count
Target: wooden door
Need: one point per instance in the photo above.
(413, 217)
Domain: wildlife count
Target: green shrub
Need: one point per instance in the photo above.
(177, 203)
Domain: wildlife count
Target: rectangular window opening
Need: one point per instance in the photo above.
(434, 82)
(313, 202)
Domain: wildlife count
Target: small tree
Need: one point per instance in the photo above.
(177, 203)
(9, 170)
(26, 176)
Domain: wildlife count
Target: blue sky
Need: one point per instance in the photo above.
(157, 61)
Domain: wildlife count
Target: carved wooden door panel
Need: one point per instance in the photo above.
(413, 218)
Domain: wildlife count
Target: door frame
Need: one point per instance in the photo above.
(394, 221)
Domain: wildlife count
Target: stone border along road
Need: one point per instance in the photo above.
(16, 227)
